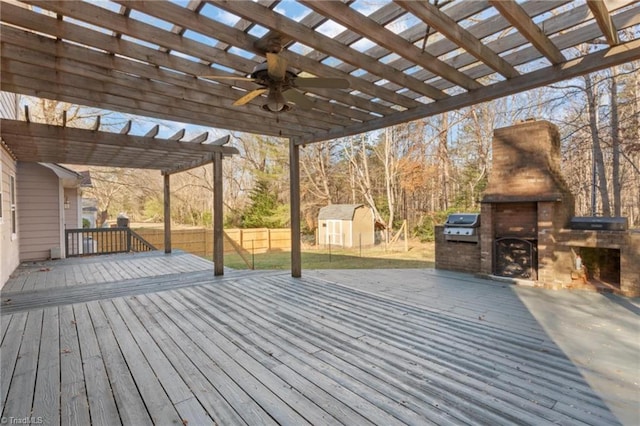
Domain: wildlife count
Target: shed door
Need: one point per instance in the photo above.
(333, 235)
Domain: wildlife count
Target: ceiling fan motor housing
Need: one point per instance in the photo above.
(261, 76)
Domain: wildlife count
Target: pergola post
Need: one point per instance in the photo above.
(294, 188)
(218, 231)
(167, 214)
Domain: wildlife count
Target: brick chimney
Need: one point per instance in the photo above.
(526, 164)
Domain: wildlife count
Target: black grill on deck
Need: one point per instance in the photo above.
(462, 227)
(599, 223)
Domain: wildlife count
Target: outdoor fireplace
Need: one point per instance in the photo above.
(529, 230)
(526, 200)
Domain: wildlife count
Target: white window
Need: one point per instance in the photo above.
(12, 200)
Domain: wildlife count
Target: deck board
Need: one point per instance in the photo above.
(173, 384)
(10, 348)
(20, 396)
(153, 393)
(157, 339)
(262, 385)
(198, 371)
(46, 401)
(341, 338)
(102, 405)
(130, 405)
(74, 405)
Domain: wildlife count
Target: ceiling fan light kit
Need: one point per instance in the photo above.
(276, 102)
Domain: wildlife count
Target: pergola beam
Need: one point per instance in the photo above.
(600, 12)
(515, 14)
(56, 144)
(89, 137)
(183, 167)
(460, 36)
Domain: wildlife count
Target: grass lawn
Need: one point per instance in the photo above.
(418, 256)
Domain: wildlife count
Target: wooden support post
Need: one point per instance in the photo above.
(167, 214)
(218, 230)
(294, 188)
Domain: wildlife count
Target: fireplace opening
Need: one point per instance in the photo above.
(515, 258)
(602, 265)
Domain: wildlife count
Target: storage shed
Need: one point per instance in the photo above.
(346, 225)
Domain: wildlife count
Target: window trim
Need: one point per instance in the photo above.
(13, 207)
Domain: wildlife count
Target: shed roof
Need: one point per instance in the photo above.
(338, 211)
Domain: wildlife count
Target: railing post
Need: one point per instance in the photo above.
(128, 240)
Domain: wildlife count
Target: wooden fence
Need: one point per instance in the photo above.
(200, 241)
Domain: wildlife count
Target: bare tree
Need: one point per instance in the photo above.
(615, 142)
(387, 152)
(599, 173)
(356, 152)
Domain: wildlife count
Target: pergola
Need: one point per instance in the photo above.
(404, 60)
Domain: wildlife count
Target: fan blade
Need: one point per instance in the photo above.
(298, 98)
(322, 83)
(249, 96)
(224, 77)
(276, 66)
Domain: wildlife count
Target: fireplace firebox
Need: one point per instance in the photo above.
(515, 258)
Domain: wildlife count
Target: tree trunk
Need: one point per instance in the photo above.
(390, 176)
(315, 167)
(598, 158)
(359, 162)
(615, 144)
(444, 163)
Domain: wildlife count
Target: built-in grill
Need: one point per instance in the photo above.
(599, 223)
(462, 227)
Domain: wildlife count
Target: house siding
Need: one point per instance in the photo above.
(71, 218)
(9, 244)
(38, 211)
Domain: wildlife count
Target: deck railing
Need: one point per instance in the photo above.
(91, 241)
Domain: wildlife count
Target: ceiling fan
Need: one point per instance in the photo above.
(280, 82)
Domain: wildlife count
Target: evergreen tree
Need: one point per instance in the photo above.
(264, 210)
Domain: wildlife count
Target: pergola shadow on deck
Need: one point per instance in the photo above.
(155, 339)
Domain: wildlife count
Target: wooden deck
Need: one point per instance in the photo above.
(156, 339)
